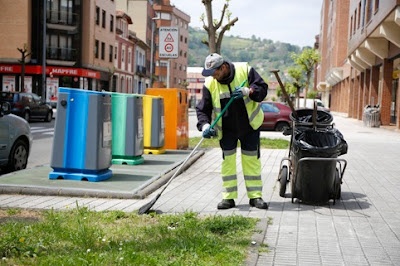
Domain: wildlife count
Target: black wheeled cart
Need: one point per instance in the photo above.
(312, 167)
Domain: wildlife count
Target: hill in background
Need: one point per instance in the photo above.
(262, 54)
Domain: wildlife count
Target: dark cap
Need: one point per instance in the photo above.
(212, 63)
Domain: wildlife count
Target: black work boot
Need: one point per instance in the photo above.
(226, 204)
(258, 203)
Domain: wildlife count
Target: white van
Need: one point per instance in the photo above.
(310, 104)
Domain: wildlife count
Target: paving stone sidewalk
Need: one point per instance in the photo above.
(363, 228)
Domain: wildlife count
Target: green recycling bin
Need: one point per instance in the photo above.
(127, 129)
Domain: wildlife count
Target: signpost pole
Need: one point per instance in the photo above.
(168, 73)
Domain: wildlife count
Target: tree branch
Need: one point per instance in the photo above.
(205, 42)
(222, 17)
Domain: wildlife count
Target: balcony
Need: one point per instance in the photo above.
(62, 20)
(61, 56)
(141, 70)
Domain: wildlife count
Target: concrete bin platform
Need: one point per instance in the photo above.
(127, 182)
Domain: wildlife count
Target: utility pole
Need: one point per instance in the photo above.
(24, 55)
(44, 52)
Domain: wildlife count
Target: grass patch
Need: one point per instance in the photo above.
(84, 237)
(265, 143)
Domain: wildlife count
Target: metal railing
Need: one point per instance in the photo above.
(141, 70)
(62, 17)
(64, 54)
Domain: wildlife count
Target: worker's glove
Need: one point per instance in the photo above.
(208, 132)
(240, 92)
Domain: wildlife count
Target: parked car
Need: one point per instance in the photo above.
(15, 140)
(27, 105)
(310, 104)
(276, 116)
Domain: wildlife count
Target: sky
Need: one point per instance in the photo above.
(292, 21)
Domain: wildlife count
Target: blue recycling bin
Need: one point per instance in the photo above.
(82, 136)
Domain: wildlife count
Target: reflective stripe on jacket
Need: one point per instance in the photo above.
(220, 91)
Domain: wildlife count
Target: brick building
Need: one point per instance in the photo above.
(79, 35)
(369, 72)
(170, 16)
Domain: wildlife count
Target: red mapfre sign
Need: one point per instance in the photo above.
(55, 71)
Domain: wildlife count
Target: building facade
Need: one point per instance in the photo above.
(124, 63)
(78, 36)
(141, 13)
(195, 82)
(171, 70)
(369, 74)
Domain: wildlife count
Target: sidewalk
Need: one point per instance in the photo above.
(361, 229)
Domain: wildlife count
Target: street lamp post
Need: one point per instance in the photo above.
(44, 52)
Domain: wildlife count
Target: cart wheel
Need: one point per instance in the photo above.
(338, 188)
(283, 180)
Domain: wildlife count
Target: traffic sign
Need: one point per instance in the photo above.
(168, 42)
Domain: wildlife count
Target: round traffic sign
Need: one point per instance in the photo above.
(169, 47)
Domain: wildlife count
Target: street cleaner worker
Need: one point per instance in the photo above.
(241, 121)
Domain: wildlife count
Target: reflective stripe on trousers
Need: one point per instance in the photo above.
(251, 165)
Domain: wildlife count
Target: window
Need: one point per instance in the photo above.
(129, 57)
(181, 38)
(359, 15)
(60, 11)
(110, 56)
(165, 16)
(116, 53)
(97, 15)
(59, 47)
(355, 23)
(351, 26)
(111, 23)
(269, 108)
(376, 5)
(103, 50)
(96, 49)
(185, 39)
(123, 55)
(363, 13)
(103, 17)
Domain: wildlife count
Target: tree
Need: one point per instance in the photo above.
(306, 60)
(296, 81)
(24, 55)
(214, 37)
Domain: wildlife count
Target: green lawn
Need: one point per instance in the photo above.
(83, 237)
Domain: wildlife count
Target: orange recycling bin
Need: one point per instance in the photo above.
(176, 105)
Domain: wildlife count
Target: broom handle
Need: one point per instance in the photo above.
(202, 139)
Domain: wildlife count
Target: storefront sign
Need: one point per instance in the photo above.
(50, 70)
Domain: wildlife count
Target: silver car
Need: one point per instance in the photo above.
(15, 140)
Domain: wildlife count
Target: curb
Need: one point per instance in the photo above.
(139, 193)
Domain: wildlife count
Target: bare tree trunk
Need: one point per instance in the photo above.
(24, 55)
(214, 38)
